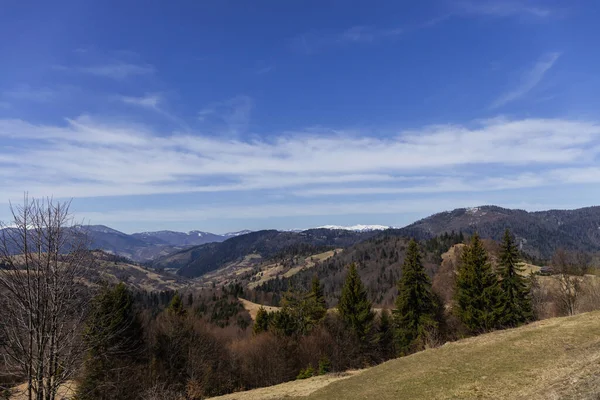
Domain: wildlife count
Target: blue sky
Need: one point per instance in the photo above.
(229, 115)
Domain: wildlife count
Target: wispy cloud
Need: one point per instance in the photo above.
(313, 41)
(503, 8)
(153, 102)
(28, 93)
(87, 158)
(233, 114)
(148, 101)
(529, 80)
(118, 70)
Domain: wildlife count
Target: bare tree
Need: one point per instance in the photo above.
(43, 300)
(569, 269)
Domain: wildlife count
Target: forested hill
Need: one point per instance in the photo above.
(538, 233)
(199, 260)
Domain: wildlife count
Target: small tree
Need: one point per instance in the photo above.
(355, 308)
(261, 322)
(113, 335)
(385, 336)
(569, 269)
(516, 301)
(415, 306)
(478, 294)
(176, 306)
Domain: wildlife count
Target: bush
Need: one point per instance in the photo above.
(324, 366)
(306, 373)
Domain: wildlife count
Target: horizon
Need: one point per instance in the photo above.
(222, 117)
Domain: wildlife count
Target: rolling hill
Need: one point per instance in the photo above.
(556, 358)
(198, 260)
(538, 233)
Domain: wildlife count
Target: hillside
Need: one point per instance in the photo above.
(379, 262)
(557, 358)
(198, 260)
(539, 233)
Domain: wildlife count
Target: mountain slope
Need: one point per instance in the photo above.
(198, 260)
(538, 233)
(557, 358)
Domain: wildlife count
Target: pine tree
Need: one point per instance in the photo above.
(478, 293)
(316, 301)
(176, 306)
(516, 302)
(385, 336)
(415, 305)
(355, 308)
(114, 336)
(261, 322)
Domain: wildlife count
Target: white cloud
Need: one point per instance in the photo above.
(89, 158)
(149, 101)
(233, 113)
(503, 8)
(117, 70)
(529, 80)
(310, 42)
(25, 92)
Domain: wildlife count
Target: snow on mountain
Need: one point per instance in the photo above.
(357, 228)
(233, 234)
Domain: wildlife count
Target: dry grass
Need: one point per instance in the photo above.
(66, 391)
(299, 388)
(552, 359)
(252, 308)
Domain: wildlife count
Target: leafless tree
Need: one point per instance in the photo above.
(569, 269)
(43, 300)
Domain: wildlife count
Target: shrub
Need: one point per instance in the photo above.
(306, 373)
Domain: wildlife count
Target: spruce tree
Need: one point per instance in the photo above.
(415, 305)
(113, 335)
(261, 323)
(478, 293)
(355, 308)
(176, 306)
(385, 336)
(316, 301)
(516, 302)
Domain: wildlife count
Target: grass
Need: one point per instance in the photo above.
(557, 358)
(298, 388)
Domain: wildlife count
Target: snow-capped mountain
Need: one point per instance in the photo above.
(357, 228)
(173, 238)
(233, 234)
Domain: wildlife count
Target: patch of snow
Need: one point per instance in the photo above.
(357, 228)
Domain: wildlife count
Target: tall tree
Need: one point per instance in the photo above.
(516, 302)
(176, 306)
(316, 301)
(44, 259)
(478, 293)
(415, 305)
(355, 308)
(114, 336)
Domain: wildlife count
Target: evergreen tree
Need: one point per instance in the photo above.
(316, 301)
(261, 323)
(355, 308)
(478, 293)
(516, 302)
(415, 305)
(114, 337)
(385, 336)
(176, 306)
